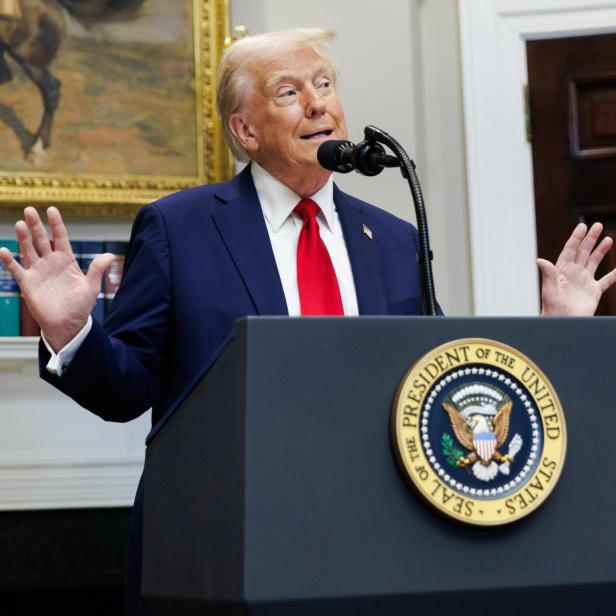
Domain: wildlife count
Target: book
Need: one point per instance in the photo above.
(113, 274)
(28, 326)
(9, 295)
(85, 251)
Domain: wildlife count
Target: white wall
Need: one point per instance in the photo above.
(79, 228)
(443, 153)
(399, 66)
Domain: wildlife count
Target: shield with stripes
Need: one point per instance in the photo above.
(485, 444)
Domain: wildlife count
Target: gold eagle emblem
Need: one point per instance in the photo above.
(480, 417)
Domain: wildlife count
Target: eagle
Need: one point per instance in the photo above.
(483, 436)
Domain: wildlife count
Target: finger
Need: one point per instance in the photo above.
(40, 239)
(570, 248)
(97, 268)
(598, 254)
(59, 233)
(587, 244)
(607, 281)
(26, 249)
(16, 270)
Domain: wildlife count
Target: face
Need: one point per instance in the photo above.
(293, 109)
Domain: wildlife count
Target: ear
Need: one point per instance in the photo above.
(243, 131)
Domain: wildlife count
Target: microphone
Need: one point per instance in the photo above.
(368, 157)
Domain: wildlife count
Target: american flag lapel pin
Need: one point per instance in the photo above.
(367, 231)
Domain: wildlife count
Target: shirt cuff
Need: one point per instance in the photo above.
(60, 361)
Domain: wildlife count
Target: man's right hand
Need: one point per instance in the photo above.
(59, 296)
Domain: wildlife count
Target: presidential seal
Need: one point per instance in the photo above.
(479, 431)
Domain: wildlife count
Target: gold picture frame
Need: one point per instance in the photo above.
(79, 190)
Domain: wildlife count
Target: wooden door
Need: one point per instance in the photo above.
(572, 99)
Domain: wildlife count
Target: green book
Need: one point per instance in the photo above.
(9, 295)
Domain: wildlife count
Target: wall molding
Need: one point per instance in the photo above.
(493, 34)
(55, 485)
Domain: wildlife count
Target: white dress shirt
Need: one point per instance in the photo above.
(58, 362)
(283, 228)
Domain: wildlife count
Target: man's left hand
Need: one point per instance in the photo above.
(569, 288)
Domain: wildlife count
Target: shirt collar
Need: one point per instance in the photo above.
(278, 201)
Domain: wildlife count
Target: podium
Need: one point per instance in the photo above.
(273, 488)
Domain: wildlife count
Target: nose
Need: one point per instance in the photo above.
(314, 104)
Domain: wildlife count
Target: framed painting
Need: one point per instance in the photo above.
(107, 105)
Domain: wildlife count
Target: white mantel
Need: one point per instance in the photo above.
(53, 453)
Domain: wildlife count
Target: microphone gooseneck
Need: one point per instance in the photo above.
(369, 158)
(407, 168)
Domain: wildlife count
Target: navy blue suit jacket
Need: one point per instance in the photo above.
(199, 260)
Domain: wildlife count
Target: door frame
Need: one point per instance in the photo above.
(493, 35)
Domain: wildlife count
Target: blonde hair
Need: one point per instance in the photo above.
(235, 74)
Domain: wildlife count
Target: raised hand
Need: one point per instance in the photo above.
(59, 296)
(569, 287)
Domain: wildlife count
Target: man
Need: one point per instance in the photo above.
(278, 239)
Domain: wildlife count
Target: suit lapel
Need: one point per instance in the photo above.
(363, 254)
(242, 228)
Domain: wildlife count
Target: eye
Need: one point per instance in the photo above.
(324, 84)
(286, 92)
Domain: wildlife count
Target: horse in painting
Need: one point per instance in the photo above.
(31, 32)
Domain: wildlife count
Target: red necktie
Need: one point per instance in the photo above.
(319, 293)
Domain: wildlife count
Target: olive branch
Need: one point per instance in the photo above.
(450, 451)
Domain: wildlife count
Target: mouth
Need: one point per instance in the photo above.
(319, 135)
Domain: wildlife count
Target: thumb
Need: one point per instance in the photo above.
(549, 285)
(97, 268)
(548, 271)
